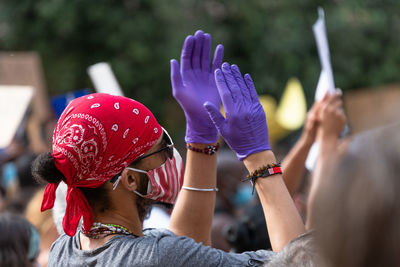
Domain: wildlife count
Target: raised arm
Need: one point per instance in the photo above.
(332, 121)
(294, 163)
(192, 84)
(245, 131)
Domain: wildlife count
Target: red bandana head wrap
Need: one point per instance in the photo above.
(96, 137)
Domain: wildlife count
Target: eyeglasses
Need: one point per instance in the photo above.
(169, 148)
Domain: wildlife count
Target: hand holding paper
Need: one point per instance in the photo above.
(326, 82)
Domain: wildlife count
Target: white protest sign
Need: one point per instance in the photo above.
(14, 101)
(104, 79)
(326, 82)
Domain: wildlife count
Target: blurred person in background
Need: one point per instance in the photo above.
(295, 175)
(16, 159)
(354, 197)
(19, 242)
(249, 229)
(229, 199)
(43, 222)
(25, 184)
(230, 172)
(9, 174)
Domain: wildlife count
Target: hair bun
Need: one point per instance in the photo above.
(44, 169)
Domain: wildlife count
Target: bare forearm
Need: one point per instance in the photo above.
(193, 212)
(294, 164)
(326, 157)
(283, 221)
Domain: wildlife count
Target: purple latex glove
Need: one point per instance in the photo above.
(194, 83)
(245, 127)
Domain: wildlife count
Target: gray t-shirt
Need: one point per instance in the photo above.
(158, 247)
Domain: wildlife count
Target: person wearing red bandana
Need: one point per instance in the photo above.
(116, 160)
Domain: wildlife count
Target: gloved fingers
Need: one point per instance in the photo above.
(223, 90)
(252, 90)
(206, 53)
(176, 78)
(214, 114)
(233, 86)
(198, 46)
(242, 85)
(186, 54)
(218, 57)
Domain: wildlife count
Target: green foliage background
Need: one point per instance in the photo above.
(271, 39)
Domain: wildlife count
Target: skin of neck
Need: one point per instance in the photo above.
(123, 212)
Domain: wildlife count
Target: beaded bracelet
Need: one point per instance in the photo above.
(209, 150)
(263, 172)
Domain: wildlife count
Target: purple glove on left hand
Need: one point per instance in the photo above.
(245, 127)
(194, 83)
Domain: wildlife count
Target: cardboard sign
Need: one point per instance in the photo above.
(25, 68)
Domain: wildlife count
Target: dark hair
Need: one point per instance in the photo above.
(356, 210)
(44, 170)
(23, 165)
(14, 240)
(249, 232)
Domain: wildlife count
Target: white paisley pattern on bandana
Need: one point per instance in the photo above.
(82, 137)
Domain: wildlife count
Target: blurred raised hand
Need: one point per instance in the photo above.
(193, 83)
(245, 127)
(332, 120)
(331, 117)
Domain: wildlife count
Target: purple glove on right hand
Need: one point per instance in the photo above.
(245, 128)
(193, 84)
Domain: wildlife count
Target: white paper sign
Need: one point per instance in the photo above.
(104, 79)
(14, 101)
(326, 82)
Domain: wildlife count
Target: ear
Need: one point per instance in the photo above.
(129, 179)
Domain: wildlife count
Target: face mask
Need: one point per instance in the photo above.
(166, 181)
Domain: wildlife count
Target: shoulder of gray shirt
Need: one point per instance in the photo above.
(158, 247)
